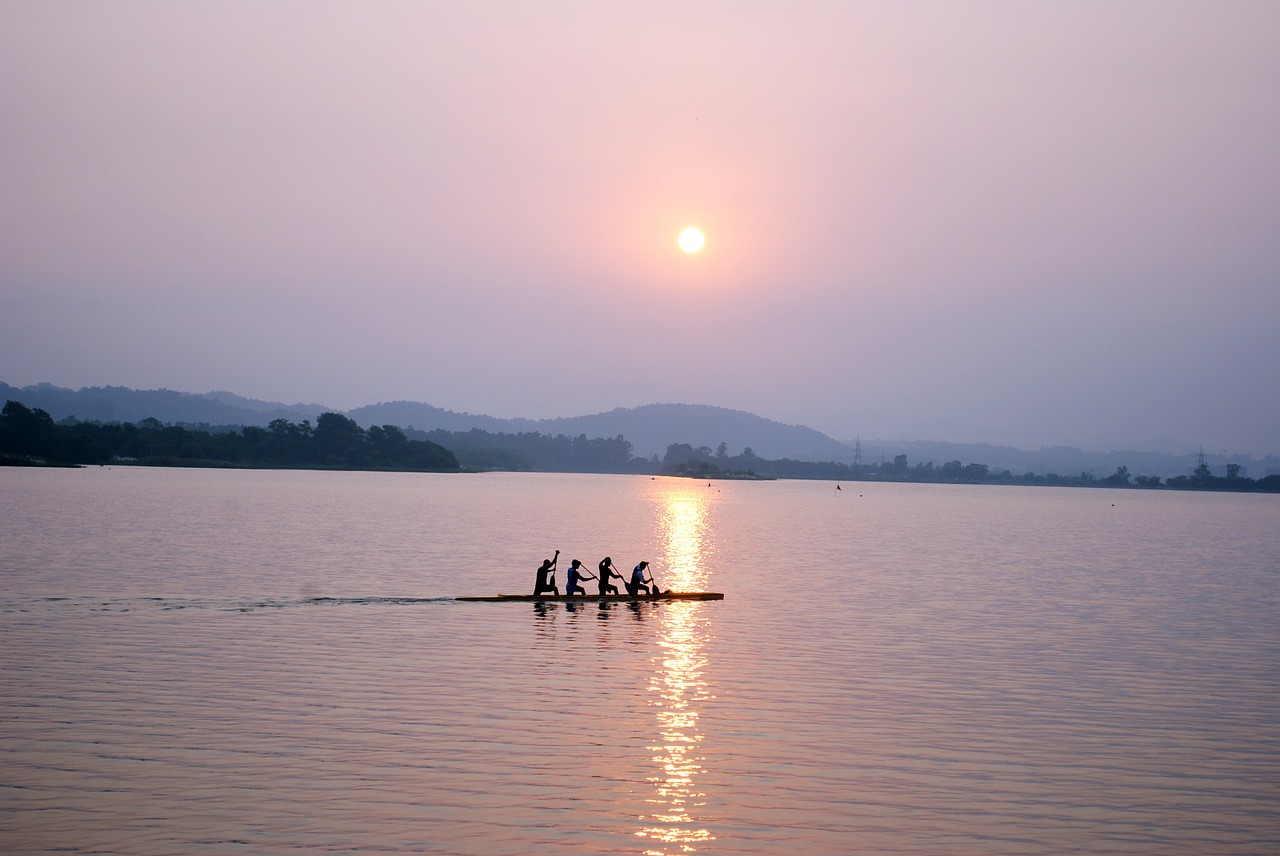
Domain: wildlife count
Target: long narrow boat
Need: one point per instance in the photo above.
(587, 598)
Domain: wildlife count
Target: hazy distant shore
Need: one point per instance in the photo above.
(650, 430)
(31, 437)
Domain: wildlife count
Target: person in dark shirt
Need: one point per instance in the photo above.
(546, 579)
(607, 571)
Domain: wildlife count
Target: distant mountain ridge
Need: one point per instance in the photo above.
(428, 417)
(122, 404)
(650, 428)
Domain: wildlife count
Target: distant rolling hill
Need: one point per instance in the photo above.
(121, 404)
(427, 417)
(650, 428)
(653, 427)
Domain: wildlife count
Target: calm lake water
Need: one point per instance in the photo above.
(224, 662)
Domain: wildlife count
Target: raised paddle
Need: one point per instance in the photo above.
(551, 577)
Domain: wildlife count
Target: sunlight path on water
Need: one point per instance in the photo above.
(679, 808)
(684, 528)
(678, 813)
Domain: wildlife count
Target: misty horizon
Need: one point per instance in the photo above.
(871, 445)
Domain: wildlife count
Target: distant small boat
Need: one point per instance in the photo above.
(585, 598)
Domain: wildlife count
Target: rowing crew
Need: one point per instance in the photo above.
(641, 581)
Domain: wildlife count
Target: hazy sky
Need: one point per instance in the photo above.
(1024, 223)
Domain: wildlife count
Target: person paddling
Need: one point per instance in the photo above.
(546, 579)
(607, 571)
(638, 580)
(576, 573)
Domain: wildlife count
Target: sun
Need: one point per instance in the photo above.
(691, 240)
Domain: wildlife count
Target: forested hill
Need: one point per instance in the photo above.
(122, 404)
(650, 429)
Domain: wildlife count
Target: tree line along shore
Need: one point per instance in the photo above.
(30, 437)
(334, 442)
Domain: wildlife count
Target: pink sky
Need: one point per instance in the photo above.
(1033, 224)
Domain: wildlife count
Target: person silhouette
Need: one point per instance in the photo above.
(608, 571)
(576, 573)
(546, 577)
(637, 584)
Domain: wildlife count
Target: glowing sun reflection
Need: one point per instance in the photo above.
(678, 690)
(683, 524)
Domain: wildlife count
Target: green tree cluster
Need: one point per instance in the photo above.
(30, 436)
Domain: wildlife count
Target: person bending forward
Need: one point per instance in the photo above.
(637, 584)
